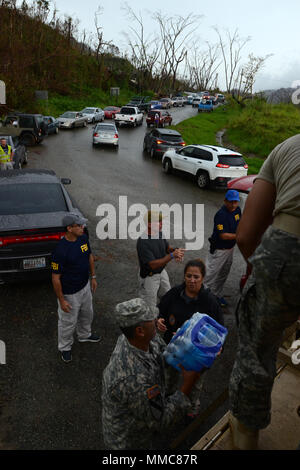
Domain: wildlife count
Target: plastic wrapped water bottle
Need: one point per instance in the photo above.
(207, 335)
(196, 344)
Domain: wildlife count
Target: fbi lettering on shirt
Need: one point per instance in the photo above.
(54, 266)
(84, 248)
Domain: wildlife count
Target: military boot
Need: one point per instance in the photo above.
(243, 438)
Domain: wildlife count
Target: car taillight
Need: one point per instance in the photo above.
(246, 166)
(131, 119)
(116, 136)
(96, 135)
(221, 165)
(182, 143)
(159, 141)
(14, 239)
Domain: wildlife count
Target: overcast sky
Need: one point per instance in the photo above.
(273, 26)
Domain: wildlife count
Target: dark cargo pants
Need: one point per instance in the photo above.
(270, 303)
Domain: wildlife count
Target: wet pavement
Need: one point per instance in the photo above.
(45, 403)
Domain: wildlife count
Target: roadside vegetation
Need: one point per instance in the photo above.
(254, 130)
(58, 104)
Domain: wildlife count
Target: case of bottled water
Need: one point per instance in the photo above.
(196, 344)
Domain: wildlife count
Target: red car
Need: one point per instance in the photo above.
(164, 118)
(243, 185)
(110, 112)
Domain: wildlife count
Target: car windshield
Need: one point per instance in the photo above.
(231, 160)
(105, 128)
(69, 115)
(153, 113)
(109, 108)
(171, 137)
(88, 111)
(31, 198)
(127, 110)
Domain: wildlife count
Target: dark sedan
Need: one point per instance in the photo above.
(158, 141)
(52, 124)
(31, 224)
(19, 151)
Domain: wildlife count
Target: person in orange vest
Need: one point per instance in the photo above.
(6, 155)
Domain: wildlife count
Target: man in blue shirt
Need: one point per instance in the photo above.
(222, 243)
(72, 262)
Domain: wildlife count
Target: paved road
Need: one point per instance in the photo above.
(44, 403)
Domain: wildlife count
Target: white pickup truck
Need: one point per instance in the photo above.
(129, 115)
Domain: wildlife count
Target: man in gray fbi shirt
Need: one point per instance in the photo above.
(154, 252)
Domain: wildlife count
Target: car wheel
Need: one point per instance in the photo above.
(145, 147)
(27, 139)
(202, 179)
(152, 152)
(167, 166)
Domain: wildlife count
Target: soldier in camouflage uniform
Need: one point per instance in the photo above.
(134, 401)
(270, 300)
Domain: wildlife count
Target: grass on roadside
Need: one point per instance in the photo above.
(202, 128)
(259, 127)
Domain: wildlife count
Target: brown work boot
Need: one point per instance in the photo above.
(243, 438)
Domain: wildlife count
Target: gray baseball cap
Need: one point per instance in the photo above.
(133, 311)
(71, 219)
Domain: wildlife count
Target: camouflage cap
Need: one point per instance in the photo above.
(133, 311)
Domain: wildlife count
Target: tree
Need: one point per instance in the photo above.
(202, 66)
(246, 77)
(175, 33)
(144, 50)
(231, 49)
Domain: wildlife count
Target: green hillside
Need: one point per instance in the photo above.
(253, 130)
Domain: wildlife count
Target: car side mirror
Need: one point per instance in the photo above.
(65, 180)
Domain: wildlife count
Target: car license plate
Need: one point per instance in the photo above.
(105, 136)
(34, 263)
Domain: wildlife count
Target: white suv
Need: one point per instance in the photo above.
(207, 163)
(178, 101)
